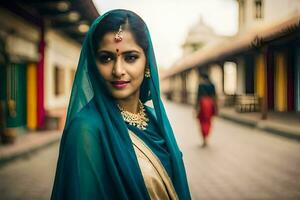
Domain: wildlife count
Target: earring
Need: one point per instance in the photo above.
(147, 72)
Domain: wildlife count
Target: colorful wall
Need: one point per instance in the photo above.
(280, 92)
(16, 95)
(31, 96)
(260, 75)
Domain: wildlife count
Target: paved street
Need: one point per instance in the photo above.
(239, 163)
(29, 178)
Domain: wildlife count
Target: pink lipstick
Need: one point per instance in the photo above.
(119, 84)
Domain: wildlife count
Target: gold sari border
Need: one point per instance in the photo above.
(156, 163)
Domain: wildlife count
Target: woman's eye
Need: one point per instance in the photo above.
(105, 58)
(131, 58)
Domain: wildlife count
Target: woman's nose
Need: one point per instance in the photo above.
(118, 69)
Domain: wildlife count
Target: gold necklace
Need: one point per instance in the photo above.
(140, 119)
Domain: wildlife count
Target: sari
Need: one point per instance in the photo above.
(98, 158)
(207, 107)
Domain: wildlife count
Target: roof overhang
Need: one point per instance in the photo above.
(72, 17)
(240, 44)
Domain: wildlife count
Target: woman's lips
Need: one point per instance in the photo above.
(119, 84)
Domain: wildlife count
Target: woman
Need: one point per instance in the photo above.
(206, 106)
(113, 146)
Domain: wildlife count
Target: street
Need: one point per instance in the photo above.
(239, 163)
(29, 178)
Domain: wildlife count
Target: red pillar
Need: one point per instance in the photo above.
(40, 83)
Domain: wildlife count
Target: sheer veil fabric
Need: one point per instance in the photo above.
(96, 156)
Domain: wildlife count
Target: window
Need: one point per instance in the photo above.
(258, 9)
(196, 46)
(59, 81)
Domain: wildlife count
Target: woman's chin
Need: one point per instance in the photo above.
(127, 93)
(121, 95)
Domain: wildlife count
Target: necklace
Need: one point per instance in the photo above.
(140, 120)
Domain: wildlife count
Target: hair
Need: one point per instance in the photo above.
(204, 75)
(129, 21)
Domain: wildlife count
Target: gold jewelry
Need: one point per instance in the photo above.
(140, 119)
(147, 72)
(119, 36)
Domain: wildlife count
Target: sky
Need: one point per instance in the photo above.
(170, 20)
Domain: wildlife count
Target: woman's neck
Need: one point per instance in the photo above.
(130, 104)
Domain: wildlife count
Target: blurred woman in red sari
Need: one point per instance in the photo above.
(206, 105)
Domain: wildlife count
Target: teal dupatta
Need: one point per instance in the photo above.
(96, 156)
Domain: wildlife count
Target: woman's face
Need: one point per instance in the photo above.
(121, 64)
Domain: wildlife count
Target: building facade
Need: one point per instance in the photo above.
(199, 36)
(258, 70)
(40, 48)
(254, 14)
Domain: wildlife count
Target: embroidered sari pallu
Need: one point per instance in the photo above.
(158, 183)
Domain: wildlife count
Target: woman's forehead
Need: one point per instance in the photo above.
(128, 42)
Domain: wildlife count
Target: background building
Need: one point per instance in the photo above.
(254, 14)
(40, 47)
(199, 36)
(258, 70)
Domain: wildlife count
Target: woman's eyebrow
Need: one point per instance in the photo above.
(105, 51)
(131, 51)
(124, 52)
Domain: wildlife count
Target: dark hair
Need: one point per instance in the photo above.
(129, 21)
(204, 75)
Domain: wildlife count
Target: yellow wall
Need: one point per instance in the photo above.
(260, 75)
(280, 82)
(31, 96)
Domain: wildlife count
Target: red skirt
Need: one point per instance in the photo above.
(207, 111)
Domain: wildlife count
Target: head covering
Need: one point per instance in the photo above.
(116, 151)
